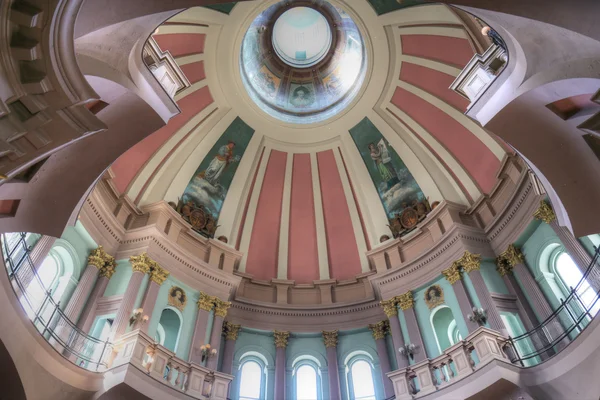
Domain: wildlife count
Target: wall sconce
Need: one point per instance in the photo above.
(408, 350)
(138, 317)
(479, 316)
(207, 352)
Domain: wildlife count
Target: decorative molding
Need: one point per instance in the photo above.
(390, 307)
(158, 275)
(379, 329)
(141, 263)
(205, 302)
(405, 301)
(221, 307)
(545, 212)
(468, 262)
(510, 258)
(452, 274)
(231, 331)
(281, 339)
(330, 338)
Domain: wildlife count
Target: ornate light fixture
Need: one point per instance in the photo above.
(479, 316)
(207, 352)
(138, 317)
(408, 350)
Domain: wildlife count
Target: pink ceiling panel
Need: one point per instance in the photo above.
(181, 44)
(264, 241)
(448, 50)
(476, 157)
(128, 165)
(342, 250)
(194, 71)
(303, 258)
(434, 82)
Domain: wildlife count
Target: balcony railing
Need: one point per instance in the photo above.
(561, 327)
(44, 310)
(485, 345)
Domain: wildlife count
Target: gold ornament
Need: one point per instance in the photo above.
(509, 259)
(140, 263)
(177, 298)
(96, 258)
(405, 301)
(545, 213)
(108, 270)
(231, 330)
(379, 329)
(281, 338)
(330, 338)
(469, 262)
(434, 296)
(206, 302)
(389, 307)
(221, 307)
(158, 274)
(452, 274)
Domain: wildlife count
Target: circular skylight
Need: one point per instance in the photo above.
(301, 37)
(303, 64)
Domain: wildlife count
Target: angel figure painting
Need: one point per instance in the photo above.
(209, 184)
(396, 186)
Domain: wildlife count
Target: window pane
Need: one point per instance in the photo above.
(362, 381)
(306, 383)
(250, 381)
(568, 271)
(48, 271)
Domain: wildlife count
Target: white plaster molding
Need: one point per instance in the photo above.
(319, 219)
(284, 225)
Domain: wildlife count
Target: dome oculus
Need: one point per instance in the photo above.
(303, 61)
(301, 37)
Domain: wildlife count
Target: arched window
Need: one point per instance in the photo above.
(46, 280)
(444, 327)
(361, 373)
(251, 381)
(570, 276)
(306, 383)
(170, 321)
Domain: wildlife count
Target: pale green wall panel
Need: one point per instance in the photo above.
(492, 278)
(118, 283)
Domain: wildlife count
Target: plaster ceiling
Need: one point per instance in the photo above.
(306, 201)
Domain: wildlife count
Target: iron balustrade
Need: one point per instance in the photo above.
(45, 313)
(561, 327)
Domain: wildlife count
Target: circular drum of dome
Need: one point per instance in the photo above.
(303, 61)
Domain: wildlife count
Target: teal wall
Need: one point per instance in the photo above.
(118, 283)
(189, 313)
(491, 277)
(171, 323)
(424, 314)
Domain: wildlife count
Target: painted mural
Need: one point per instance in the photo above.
(203, 197)
(396, 186)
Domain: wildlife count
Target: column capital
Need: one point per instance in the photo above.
(330, 338)
(379, 329)
(97, 257)
(452, 274)
(506, 261)
(389, 307)
(141, 263)
(469, 262)
(221, 307)
(205, 302)
(281, 338)
(158, 274)
(544, 212)
(231, 330)
(108, 270)
(405, 301)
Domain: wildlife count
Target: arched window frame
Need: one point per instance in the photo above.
(453, 333)
(251, 357)
(451, 337)
(313, 363)
(361, 356)
(180, 315)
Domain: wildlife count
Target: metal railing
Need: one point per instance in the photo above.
(562, 326)
(44, 310)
